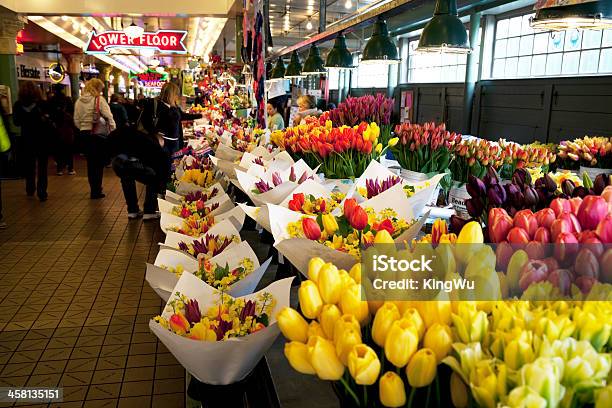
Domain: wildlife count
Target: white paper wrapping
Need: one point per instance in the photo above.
(221, 362)
(235, 215)
(224, 228)
(224, 201)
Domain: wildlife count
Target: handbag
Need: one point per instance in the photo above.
(99, 123)
(140, 125)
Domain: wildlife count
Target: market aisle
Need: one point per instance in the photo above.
(74, 305)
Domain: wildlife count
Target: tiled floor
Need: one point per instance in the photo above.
(74, 305)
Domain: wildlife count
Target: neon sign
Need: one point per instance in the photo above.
(151, 78)
(170, 41)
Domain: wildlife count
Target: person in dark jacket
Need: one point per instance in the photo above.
(139, 157)
(60, 112)
(36, 128)
(119, 112)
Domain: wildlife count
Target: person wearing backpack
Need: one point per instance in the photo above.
(94, 119)
(36, 128)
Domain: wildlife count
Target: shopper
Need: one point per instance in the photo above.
(36, 129)
(307, 106)
(275, 117)
(61, 113)
(120, 114)
(94, 119)
(139, 157)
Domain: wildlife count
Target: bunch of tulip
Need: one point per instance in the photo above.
(263, 186)
(227, 319)
(348, 232)
(424, 148)
(473, 157)
(368, 108)
(222, 277)
(524, 156)
(202, 178)
(194, 209)
(194, 225)
(203, 196)
(588, 151)
(559, 177)
(342, 152)
(523, 354)
(308, 204)
(208, 246)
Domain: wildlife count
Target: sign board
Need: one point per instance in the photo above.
(36, 69)
(168, 41)
(151, 78)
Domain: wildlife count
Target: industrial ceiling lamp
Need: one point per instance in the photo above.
(133, 31)
(587, 15)
(339, 56)
(314, 63)
(294, 69)
(444, 32)
(380, 48)
(278, 73)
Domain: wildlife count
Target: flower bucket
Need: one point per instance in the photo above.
(414, 177)
(593, 171)
(456, 197)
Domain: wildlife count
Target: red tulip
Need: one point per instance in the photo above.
(562, 280)
(533, 271)
(545, 217)
(542, 235)
(185, 213)
(518, 235)
(385, 224)
(566, 248)
(296, 203)
(606, 266)
(535, 250)
(592, 210)
(560, 226)
(503, 253)
(349, 206)
(586, 264)
(525, 219)
(572, 220)
(604, 229)
(575, 203)
(495, 213)
(499, 228)
(560, 205)
(311, 229)
(359, 218)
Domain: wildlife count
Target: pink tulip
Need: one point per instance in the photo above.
(606, 266)
(585, 284)
(518, 235)
(604, 229)
(533, 271)
(592, 210)
(560, 205)
(542, 235)
(525, 219)
(586, 264)
(566, 248)
(562, 280)
(575, 203)
(503, 253)
(535, 250)
(545, 217)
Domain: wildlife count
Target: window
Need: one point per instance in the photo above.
(370, 76)
(437, 67)
(520, 52)
(333, 78)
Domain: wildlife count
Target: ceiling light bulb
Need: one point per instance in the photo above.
(309, 25)
(64, 18)
(133, 31)
(83, 30)
(348, 4)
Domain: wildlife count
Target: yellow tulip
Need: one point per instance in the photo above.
(414, 316)
(350, 338)
(330, 225)
(439, 338)
(488, 382)
(435, 311)
(315, 329)
(603, 397)
(517, 353)
(201, 331)
(421, 369)
(343, 323)
(330, 283)
(314, 266)
(378, 148)
(328, 317)
(351, 303)
(384, 318)
(471, 240)
(393, 141)
(323, 359)
(297, 355)
(458, 390)
(391, 390)
(355, 272)
(346, 279)
(310, 299)
(401, 342)
(363, 364)
(292, 325)
(383, 237)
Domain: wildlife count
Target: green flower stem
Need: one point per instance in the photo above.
(411, 397)
(348, 389)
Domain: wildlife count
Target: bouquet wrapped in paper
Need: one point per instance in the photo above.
(219, 339)
(205, 194)
(235, 270)
(199, 207)
(195, 226)
(224, 229)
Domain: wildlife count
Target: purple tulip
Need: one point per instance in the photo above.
(292, 176)
(276, 179)
(475, 187)
(474, 207)
(192, 311)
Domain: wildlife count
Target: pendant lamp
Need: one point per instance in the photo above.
(278, 73)
(294, 69)
(314, 63)
(380, 48)
(133, 31)
(339, 56)
(444, 32)
(593, 15)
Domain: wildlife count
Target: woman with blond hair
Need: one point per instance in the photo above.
(307, 106)
(94, 119)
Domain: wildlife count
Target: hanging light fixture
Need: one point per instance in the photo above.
(314, 63)
(444, 32)
(339, 56)
(594, 15)
(294, 69)
(154, 62)
(380, 48)
(348, 4)
(278, 73)
(309, 24)
(133, 31)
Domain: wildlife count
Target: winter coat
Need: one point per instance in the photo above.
(84, 112)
